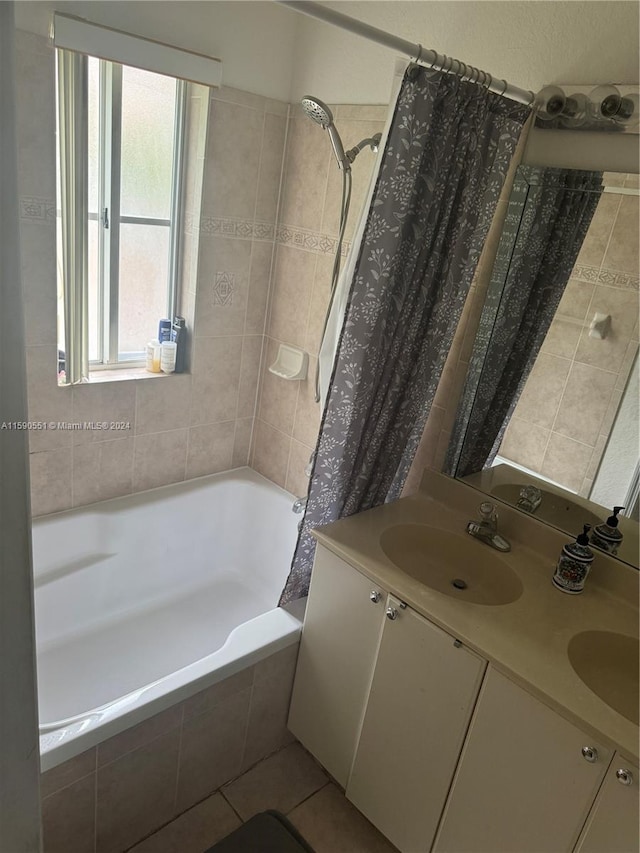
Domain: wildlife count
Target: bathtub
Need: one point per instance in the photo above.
(142, 601)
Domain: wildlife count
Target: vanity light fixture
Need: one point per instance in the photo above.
(603, 107)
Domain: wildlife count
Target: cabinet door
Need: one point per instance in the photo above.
(337, 652)
(421, 698)
(612, 825)
(522, 784)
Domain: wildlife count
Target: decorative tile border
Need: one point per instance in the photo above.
(609, 278)
(246, 229)
(37, 210)
(310, 241)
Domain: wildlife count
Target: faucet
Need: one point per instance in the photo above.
(486, 530)
(530, 498)
(299, 505)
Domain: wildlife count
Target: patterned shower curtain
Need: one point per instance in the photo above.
(444, 164)
(549, 214)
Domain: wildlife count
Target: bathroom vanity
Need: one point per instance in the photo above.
(491, 714)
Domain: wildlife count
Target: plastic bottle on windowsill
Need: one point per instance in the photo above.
(153, 356)
(179, 337)
(168, 356)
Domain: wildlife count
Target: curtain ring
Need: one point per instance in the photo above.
(506, 86)
(463, 74)
(484, 78)
(489, 80)
(419, 56)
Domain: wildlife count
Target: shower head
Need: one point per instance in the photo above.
(322, 115)
(317, 110)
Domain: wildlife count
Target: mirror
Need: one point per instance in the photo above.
(551, 396)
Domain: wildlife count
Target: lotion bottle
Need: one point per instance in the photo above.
(606, 535)
(574, 564)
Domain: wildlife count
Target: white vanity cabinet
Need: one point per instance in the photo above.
(526, 779)
(437, 748)
(422, 695)
(338, 648)
(613, 822)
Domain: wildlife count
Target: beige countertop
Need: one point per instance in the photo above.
(526, 639)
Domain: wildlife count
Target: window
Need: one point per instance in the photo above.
(124, 197)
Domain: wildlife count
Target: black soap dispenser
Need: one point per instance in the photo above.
(574, 564)
(606, 535)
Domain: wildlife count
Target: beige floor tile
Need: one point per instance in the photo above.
(195, 830)
(331, 824)
(280, 782)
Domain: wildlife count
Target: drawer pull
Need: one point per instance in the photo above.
(590, 754)
(625, 777)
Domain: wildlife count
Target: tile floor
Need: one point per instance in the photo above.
(289, 781)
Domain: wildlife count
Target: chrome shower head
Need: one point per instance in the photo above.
(322, 115)
(317, 111)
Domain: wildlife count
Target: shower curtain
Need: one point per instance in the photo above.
(550, 211)
(445, 160)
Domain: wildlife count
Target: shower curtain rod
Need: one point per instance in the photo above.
(415, 51)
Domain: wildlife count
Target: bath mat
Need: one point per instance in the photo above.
(267, 832)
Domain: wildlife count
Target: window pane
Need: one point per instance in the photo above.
(148, 116)
(144, 264)
(93, 116)
(94, 293)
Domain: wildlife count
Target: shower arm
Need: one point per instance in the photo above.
(373, 142)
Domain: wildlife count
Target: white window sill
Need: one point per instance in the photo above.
(122, 374)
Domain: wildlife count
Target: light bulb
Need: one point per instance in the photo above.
(629, 111)
(549, 103)
(575, 110)
(604, 102)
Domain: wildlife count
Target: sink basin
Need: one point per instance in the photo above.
(607, 663)
(451, 563)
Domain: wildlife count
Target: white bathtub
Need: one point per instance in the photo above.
(144, 600)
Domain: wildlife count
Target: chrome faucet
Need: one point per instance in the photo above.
(299, 505)
(486, 530)
(530, 498)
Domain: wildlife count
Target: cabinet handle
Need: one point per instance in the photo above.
(625, 777)
(392, 613)
(374, 596)
(590, 754)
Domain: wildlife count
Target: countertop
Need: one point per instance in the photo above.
(526, 639)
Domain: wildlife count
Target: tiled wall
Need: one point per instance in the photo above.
(563, 418)
(180, 426)
(113, 795)
(288, 418)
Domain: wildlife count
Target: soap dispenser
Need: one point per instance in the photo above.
(606, 535)
(574, 564)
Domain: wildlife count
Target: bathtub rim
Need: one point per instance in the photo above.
(248, 644)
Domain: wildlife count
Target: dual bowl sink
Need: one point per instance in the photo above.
(459, 566)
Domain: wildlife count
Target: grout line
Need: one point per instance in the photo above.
(612, 229)
(229, 803)
(95, 805)
(175, 797)
(310, 797)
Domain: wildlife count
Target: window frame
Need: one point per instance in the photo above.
(109, 218)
